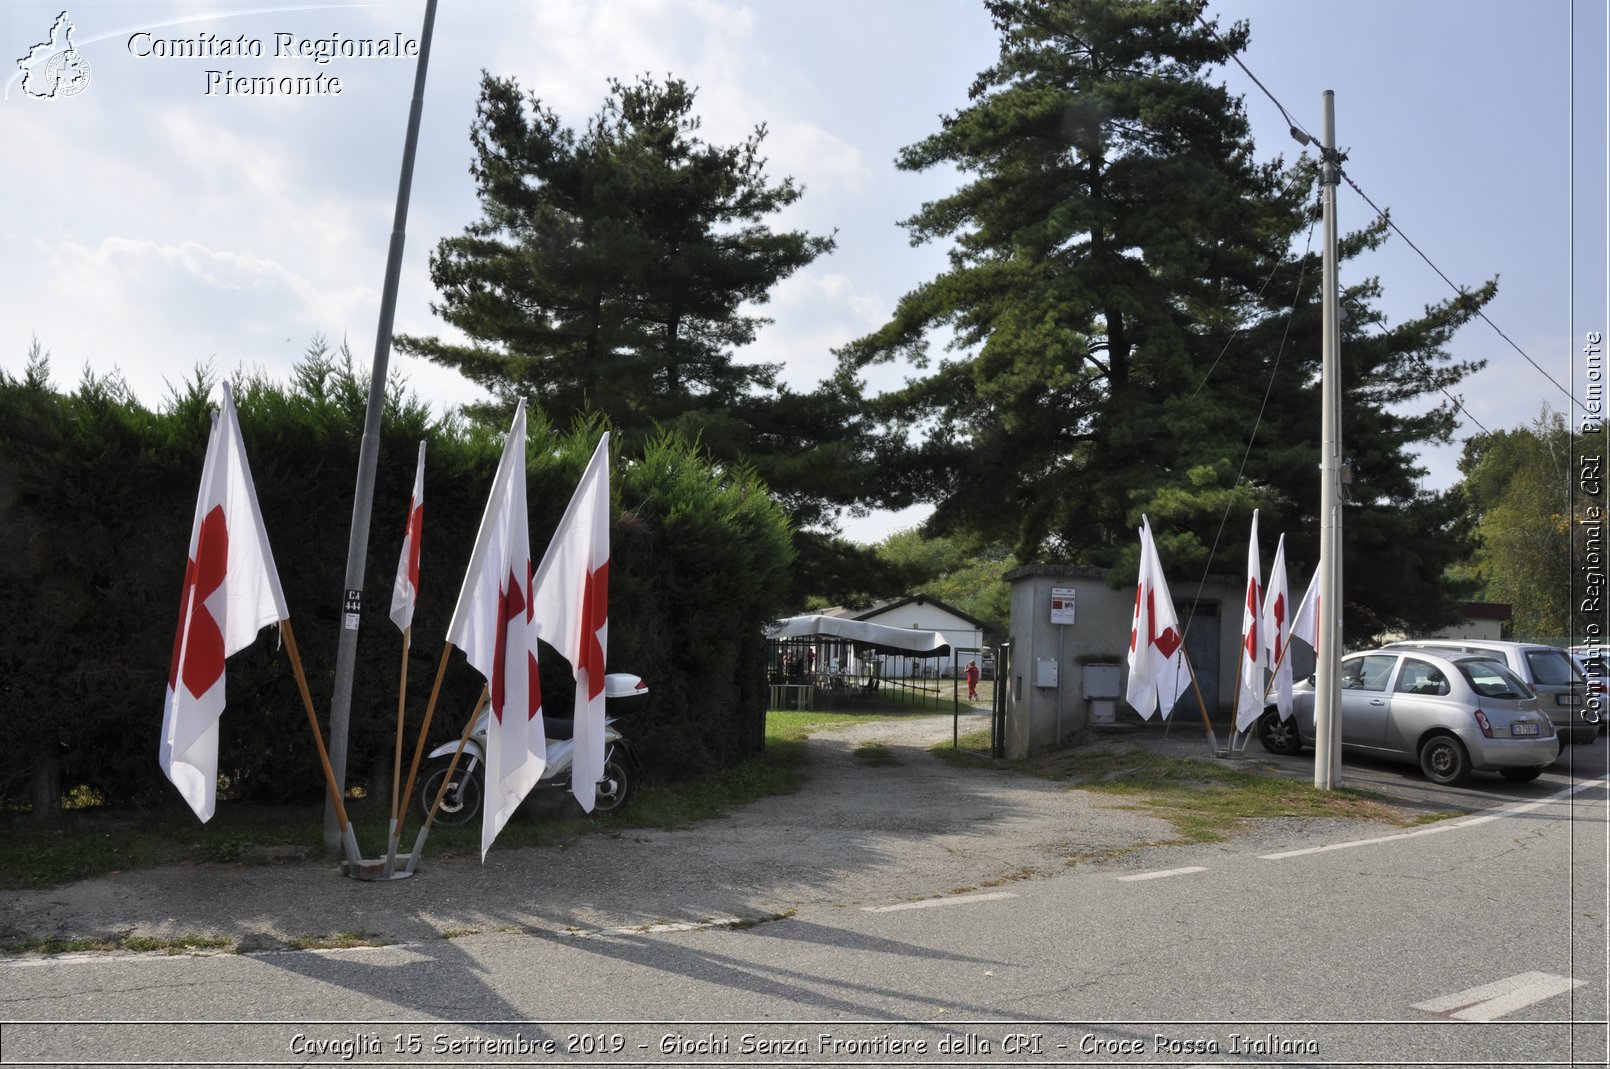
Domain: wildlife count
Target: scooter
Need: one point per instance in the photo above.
(623, 693)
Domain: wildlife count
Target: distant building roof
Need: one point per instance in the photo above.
(881, 607)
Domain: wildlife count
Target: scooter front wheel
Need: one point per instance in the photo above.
(461, 803)
(614, 787)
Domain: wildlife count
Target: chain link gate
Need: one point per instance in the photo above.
(989, 703)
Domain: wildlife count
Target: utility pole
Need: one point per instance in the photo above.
(1327, 684)
(369, 452)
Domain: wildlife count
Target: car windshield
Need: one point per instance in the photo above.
(1551, 668)
(1492, 680)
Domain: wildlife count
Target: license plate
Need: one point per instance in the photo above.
(1565, 699)
(1523, 729)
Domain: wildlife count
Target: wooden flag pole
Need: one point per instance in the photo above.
(1280, 659)
(447, 780)
(424, 728)
(419, 750)
(1201, 703)
(349, 840)
(396, 764)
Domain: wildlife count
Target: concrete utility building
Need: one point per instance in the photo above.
(1066, 669)
(1070, 641)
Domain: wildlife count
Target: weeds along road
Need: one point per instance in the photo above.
(899, 907)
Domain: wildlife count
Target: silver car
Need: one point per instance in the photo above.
(1451, 715)
(1550, 672)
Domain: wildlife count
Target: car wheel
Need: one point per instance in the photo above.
(1520, 775)
(1443, 760)
(1279, 736)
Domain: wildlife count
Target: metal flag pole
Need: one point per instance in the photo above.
(369, 450)
(1327, 684)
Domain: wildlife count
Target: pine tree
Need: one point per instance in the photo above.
(609, 275)
(1121, 275)
(609, 268)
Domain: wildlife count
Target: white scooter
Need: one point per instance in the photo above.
(623, 693)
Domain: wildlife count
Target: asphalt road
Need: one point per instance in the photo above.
(1474, 941)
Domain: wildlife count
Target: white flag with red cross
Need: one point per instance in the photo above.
(1157, 672)
(1277, 631)
(1249, 685)
(492, 624)
(1305, 621)
(573, 613)
(231, 591)
(405, 589)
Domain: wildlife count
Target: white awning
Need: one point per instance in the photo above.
(906, 640)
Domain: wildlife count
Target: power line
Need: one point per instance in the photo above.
(1461, 292)
(1303, 137)
(1298, 131)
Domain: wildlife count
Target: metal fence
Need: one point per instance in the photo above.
(978, 700)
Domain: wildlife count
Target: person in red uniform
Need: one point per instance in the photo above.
(972, 680)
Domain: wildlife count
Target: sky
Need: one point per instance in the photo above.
(157, 218)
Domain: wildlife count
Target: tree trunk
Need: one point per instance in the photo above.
(44, 789)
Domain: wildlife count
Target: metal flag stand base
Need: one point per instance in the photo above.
(373, 869)
(358, 867)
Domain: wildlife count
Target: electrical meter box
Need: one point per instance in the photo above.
(1101, 680)
(1045, 672)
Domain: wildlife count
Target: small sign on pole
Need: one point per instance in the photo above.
(351, 608)
(1062, 604)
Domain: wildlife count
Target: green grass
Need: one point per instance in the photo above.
(91, 841)
(1204, 800)
(336, 941)
(795, 726)
(978, 741)
(142, 944)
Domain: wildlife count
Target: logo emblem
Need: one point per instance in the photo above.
(54, 68)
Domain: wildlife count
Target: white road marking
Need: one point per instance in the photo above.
(1162, 873)
(1492, 1001)
(929, 903)
(1437, 829)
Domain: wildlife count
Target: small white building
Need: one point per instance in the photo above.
(966, 635)
(1485, 620)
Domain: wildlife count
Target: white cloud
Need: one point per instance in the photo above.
(156, 310)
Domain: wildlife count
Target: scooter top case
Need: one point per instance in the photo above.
(624, 693)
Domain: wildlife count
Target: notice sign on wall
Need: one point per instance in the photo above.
(1062, 604)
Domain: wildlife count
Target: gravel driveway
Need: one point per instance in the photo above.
(856, 835)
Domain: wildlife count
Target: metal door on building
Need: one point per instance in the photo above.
(1202, 647)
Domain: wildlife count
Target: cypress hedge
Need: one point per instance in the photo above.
(97, 495)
